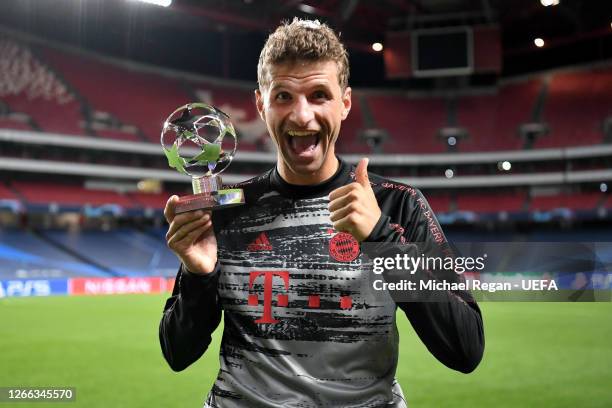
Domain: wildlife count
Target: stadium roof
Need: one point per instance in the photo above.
(223, 37)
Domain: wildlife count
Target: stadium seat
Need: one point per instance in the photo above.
(69, 195)
(490, 203)
(412, 123)
(576, 201)
(136, 98)
(492, 121)
(575, 108)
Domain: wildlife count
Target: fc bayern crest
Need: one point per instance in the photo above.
(343, 247)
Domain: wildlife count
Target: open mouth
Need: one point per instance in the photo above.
(303, 143)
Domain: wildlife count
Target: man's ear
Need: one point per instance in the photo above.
(259, 102)
(346, 102)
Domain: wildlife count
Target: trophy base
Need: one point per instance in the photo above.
(210, 200)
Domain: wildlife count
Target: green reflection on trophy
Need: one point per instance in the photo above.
(200, 141)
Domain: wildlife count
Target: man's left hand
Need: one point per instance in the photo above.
(353, 208)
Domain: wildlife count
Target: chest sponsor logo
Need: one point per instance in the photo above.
(282, 300)
(268, 280)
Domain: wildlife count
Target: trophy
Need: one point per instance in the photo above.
(200, 141)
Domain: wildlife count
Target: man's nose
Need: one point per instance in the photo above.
(302, 112)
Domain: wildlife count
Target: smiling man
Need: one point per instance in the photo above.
(302, 325)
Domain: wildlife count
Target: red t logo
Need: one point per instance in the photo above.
(268, 278)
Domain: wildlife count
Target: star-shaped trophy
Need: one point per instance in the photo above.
(199, 140)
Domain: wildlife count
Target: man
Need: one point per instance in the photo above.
(302, 327)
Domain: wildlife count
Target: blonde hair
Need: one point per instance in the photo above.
(302, 40)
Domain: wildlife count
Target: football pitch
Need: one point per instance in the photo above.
(537, 355)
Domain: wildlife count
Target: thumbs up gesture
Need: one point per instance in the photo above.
(353, 208)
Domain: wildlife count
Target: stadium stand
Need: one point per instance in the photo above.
(29, 87)
(349, 140)
(493, 121)
(17, 121)
(120, 252)
(25, 255)
(491, 203)
(440, 203)
(156, 201)
(6, 193)
(60, 92)
(68, 195)
(576, 201)
(577, 105)
(412, 124)
(136, 98)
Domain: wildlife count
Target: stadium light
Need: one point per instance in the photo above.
(449, 173)
(539, 42)
(377, 47)
(547, 3)
(307, 9)
(505, 165)
(163, 3)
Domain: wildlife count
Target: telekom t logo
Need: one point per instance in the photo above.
(282, 300)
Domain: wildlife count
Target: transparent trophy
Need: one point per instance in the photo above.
(200, 141)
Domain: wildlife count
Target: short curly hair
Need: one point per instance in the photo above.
(302, 40)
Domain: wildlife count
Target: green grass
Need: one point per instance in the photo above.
(537, 355)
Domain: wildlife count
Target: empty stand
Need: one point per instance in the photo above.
(117, 134)
(576, 106)
(491, 203)
(16, 122)
(348, 140)
(577, 201)
(56, 89)
(492, 121)
(28, 86)
(68, 195)
(6, 193)
(124, 252)
(50, 116)
(24, 255)
(156, 201)
(412, 124)
(135, 98)
(439, 203)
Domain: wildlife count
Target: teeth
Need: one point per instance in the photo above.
(301, 133)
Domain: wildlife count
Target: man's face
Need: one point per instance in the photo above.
(303, 107)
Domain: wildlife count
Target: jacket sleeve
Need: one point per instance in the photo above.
(190, 317)
(448, 322)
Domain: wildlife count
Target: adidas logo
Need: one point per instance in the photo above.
(261, 243)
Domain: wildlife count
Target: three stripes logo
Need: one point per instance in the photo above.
(261, 243)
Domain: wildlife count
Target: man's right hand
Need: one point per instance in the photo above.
(192, 238)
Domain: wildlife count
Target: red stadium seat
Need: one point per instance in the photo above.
(412, 124)
(62, 194)
(6, 193)
(576, 201)
(135, 98)
(490, 203)
(493, 120)
(576, 106)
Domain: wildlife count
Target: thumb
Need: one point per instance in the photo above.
(361, 173)
(169, 209)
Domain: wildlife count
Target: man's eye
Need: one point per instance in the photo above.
(319, 95)
(283, 96)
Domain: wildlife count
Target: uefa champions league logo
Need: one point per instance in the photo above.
(199, 140)
(203, 130)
